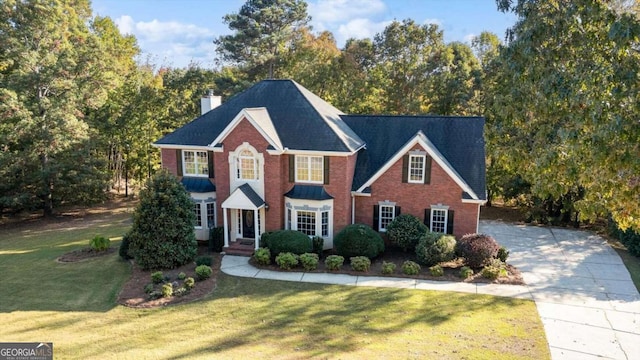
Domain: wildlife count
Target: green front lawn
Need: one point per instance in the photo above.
(73, 305)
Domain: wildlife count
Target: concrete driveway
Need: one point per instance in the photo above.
(584, 294)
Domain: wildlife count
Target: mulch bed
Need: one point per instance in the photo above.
(451, 269)
(84, 254)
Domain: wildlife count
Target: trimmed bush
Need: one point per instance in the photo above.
(162, 235)
(465, 272)
(181, 291)
(388, 268)
(262, 256)
(216, 239)
(360, 263)
(148, 288)
(182, 276)
(291, 241)
(334, 262)
(167, 290)
(405, 231)
(123, 251)
(435, 248)
(317, 243)
(494, 270)
(309, 261)
(264, 239)
(203, 272)
(477, 249)
(410, 268)
(189, 283)
(358, 240)
(157, 277)
(287, 260)
(503, 254)
(155, 294)
(436, 270)
(204, 260)
(100, 243)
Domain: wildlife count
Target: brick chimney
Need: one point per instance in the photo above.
(209, 102)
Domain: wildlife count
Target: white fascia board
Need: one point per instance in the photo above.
(183, 147)
(473, 201)
(247, 114)
(421, 139)
(355, 193)
(317, 153)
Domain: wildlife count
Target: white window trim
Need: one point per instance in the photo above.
(319, 207)
(424, 162)
(309, 157)
(439, 207)
(215, 213)
(381, 205)
(195, 158)
(199, 205)
(238, 168)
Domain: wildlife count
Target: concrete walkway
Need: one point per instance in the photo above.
(585, 297)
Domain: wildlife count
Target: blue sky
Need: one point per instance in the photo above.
(174, 32)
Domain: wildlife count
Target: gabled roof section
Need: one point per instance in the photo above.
(259, 118)
(456, 142)
(244, 197)
(301, 120)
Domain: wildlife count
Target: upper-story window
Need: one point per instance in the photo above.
(416, 168)
(246, 166)
(309, 169)
(195, 163)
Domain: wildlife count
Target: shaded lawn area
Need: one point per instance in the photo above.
(73, 305)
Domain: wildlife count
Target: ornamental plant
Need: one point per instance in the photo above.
(405, 231)
(477, 249)
(358, 240)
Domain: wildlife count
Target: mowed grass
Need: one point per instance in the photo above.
(73, 305)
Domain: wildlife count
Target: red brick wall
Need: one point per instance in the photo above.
(414, 198)
(169, 161)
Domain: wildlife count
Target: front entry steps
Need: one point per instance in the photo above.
(241, 247)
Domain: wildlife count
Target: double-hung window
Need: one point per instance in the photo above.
(386, 216)
(416, 168)
(307, 222)
(438, 220)
(246, 166)
(211, 215)
(309, 169)
(196, 163)
(198, 212)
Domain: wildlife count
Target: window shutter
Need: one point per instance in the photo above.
(376, 217)
(450, 222)
(292, 168)
(179, 162)
(427, 217)
(405, 169)
(397, 209)
(427, 169)
(210, 165)
(326, 170)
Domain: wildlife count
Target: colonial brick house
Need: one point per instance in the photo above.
(276, 156)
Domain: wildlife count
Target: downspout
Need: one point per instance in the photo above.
(353, 209)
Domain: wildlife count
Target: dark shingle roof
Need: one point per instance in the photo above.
(308, 192)
(198, 185)
(459, 139)
(248, 191)
(302, 120)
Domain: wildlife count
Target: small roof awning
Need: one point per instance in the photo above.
(244, 197)
(198, 185)
(308, 192)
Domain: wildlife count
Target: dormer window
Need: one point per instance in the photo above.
(246, 166)
(309, 169)
(195, 163)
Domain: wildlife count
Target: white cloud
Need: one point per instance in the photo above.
(334, 11)
(433, 21)
(361, 28)
(467, 38)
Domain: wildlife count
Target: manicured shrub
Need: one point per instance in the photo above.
(360, 263)
(436, 270)
(262, 256)
(155, 294)
(123, 251)
(291, 241)
(162, 235)
(157, 277)
(405, 231)
(434, 248)
(216, 239)
(503, 254)
(264, 239)
(309, 261)
(358, 240)
(334, 262)
(287, 260)
(148, 288)
(99, 243)
(410, 268)
(465, 272)
(182, 276)
(181, 291)
(317, 244)
(189, 283)
(204, 260)
(388, 268)
(477, 249)
(167, 290)
(203, 272)
(494, 269)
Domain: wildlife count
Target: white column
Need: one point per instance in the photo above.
(226, 228)
(256, 232)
